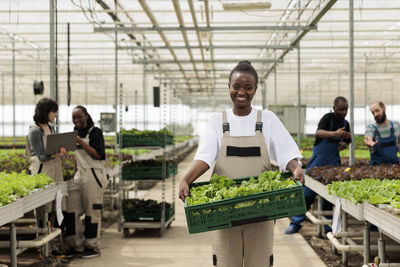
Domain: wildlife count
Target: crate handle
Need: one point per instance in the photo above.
(249, 220)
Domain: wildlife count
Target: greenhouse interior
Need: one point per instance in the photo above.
(200, 133)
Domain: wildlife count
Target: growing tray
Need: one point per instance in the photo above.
(147, 172)
(148, 215)
(254, 208)
(141, 140)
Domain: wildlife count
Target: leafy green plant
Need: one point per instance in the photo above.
(13, 185)
(373, 191)
(221, 187)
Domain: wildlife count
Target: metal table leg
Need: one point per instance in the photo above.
(366, 242)
(13, 245)
(344, 229)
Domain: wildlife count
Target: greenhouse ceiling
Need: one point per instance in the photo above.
(190, 47)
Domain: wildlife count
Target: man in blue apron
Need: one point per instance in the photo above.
(382, 137)
(333, 135)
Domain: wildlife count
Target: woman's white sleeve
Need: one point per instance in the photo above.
(208, 145)
(282, 147)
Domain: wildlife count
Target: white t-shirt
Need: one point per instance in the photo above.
(280, 145)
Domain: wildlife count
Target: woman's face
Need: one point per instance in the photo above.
(52, 116)
(242, 88)
(79, 118)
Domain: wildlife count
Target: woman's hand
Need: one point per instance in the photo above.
(298, 174)
(196, 170)
(295, 168)
(183, 190)
(79, 140)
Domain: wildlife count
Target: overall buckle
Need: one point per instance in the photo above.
(225, 127)
(259, 126)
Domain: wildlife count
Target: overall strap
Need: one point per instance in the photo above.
(391, 128)
(90, 130)
(376, 131)
(225, 124)
(259, 123)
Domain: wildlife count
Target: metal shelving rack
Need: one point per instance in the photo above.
(162, 225)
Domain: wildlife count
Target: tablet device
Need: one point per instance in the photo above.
(54, 141)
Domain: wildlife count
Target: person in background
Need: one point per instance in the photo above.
(333, 135)
(87, 188)
(382, 137)
(241, 141)
(46, 111)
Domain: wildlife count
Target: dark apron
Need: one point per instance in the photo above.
(326, 152)
(385, 151)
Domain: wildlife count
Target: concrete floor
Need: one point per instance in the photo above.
(176, 248)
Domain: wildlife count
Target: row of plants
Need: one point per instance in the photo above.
(359, 154)
(15, 185)
(145, 210)
(307, 142)
(148, 169)
(329, 174)
(374, 191)
(137, 132)
(108, 139)
(136, 138)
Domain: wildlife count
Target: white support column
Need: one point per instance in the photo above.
(116, 87)
(351, 73)
(13, 87)
(366, 92)
(52, 63)
(86, 89)
(144, 97)
(298, 98)
(3, 104)
(264, 94)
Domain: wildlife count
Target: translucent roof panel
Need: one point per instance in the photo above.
(192, 45)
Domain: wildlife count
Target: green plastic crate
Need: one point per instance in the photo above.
(254, 208)
(153, 215)
(141, 140)
(147, 172)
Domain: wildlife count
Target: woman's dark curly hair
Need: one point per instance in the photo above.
(89, 121)
(244, 66)
(42, 110)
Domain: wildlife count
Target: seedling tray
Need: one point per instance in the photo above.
(147, 172)
(253, 208)
(143, 140)
(148, 215)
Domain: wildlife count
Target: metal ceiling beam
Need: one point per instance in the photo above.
(278, 10)
(116, 19)
(301, 34)
(205, 29)
(281, 47)
(154, 21)
(194, 18)
(158, 61)
(210, 40)
(178, 13)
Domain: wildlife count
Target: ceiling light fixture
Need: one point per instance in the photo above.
(246, 6)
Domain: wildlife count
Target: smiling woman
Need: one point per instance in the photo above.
(241, 141)
(87, 188)
(242, 87)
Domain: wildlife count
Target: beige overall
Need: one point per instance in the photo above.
(85, 197)
(53, 169)
(249, 245)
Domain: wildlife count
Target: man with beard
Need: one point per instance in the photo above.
(382, 137)
(333, 135)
